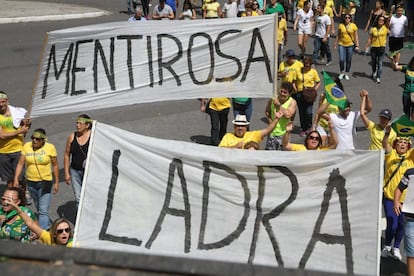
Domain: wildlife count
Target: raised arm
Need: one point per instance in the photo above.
(362, 110)
(333, 139)
(272, 125)
(385, 144)
(33, 226)
(286, 138)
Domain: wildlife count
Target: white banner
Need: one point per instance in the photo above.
(314, 210)
(123, 63)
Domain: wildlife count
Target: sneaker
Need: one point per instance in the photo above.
(28, 198)
(328, 63)
(396, 254)
(386, 251)
(346, 77)
(374, 75)
(378, 80)
(341, 76)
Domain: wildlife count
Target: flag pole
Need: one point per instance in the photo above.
(275, 52)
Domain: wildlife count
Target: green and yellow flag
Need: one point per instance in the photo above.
(403, 126)
(333, 94)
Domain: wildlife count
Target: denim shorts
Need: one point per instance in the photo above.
(409, 237)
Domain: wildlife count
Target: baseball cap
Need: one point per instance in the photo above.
(386, 113)
(290, 53)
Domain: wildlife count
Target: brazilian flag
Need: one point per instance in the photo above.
(333, 94)
(403, 126)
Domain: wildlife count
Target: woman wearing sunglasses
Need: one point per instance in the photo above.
(40, 158)
(313, 140)
(347, 42)
(60, 232)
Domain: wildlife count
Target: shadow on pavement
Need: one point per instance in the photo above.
(390, 266)
(201, 139)
(67, 211)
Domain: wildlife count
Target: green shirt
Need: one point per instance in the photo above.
(17, 229)
(277, 9)
(409, 79)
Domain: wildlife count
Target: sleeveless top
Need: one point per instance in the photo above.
(79, 153)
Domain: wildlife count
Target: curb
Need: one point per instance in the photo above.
(51, 17)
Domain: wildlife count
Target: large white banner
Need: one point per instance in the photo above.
(123, 63)
(314, 210)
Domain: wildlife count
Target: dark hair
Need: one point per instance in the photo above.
(187, 2)
(307, 59)
(41, 130)
(86, 116)
(376, 21)
(288, 86)
(20, 194)
(343, 18)
(307, 138)
(381, 3)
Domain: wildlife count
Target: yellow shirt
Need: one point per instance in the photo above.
(330, 109)
(294, 70)
(12, 144)
(347, 34)
(328, 11)
(308, 79)
(379, 36)
(211, 9)
(39, 162)
(230, 140)
(392, 160)
(219, 104)
(281, 29)
(377, 134)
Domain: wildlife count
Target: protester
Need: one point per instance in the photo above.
(218, 109)
(230, 9)
(212, 10)
(408, 70)
(40, 159)
(303, 24)
(60, 231)
(275, 7)
(398, 158)
(377, 39)
(12, 130)
(408, 218)
(289, 70)
(308, 84)
(241, 136)
(347, 41)
(376, 130)
(12, 225)
(282, 36)
(347, 7)
(313, 140)
(344, 122)
(323, 27)
(398, 27)
(375, 14)
(256, 9)
(284, 104)
(188, 12)
(138, 16)
(163, 11)
(76, 152)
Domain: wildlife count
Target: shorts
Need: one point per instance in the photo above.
(274, 142)
(396, 43)
(307, 31)
(8, 163)
(409, 237)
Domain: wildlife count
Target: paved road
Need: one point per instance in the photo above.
(22, 46)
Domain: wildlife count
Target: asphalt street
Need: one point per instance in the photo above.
(23, 28)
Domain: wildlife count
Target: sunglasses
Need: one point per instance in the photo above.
(313, 138)
(60, 231)
(347, 17)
